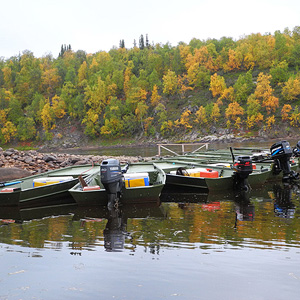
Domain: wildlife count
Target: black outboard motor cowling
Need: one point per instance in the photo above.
(243, 165)
(243, 168)
(281, 150)
(111, 177)
(296, 150)
(281, 153)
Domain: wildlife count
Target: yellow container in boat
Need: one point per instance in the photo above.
(136, 179)
(50, 180)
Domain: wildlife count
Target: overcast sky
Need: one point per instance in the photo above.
(42, 26)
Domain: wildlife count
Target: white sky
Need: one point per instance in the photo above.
(42, 26)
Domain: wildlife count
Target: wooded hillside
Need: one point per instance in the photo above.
(154, 90)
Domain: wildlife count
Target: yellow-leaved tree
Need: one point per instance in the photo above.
(127, 77)
(170, 83)
(9, 131)
(96, 96)
(285, 112)
(234, 111)
(155, 97)
(58, 106)
(291, 89)
(295, 117)
(234, 61)
(201, 116)
(140, 112)
(217, 85)
(215, 113)
(7, 76)
(184, 120)
(50, 81)
(270, 121)
(82, 72)
(47, 116)
(264, 92)
(183, 85)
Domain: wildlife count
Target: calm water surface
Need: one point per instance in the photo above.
(188, 246)
(149, 151)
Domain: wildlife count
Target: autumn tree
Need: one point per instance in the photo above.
(203, 56)
(170, 83)
(233, 111)
(217, 85)
(254, 116)
(201, 117)
(96, 97)
(183, 85)
(7, 76)
(47, 116)
(184, 120)
(295, 117)
(227, 94)
(127, 76)
(270, 121)
(291, 89)
(140, 112)
(8, 131)
(155, 97)
(234, 61)
(285, 112)
(264, 92)
(83, 71)
(198, 76)
(114, 118)
(50, 81)
(167, 127)
(215, 113)
(58, 107)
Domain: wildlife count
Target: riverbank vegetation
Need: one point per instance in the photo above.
(154, 90)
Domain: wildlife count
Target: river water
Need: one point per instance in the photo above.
(186, 246)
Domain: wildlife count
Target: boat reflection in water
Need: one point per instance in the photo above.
(283, 205)
(115, 233)
(244, 209)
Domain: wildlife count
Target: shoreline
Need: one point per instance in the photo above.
(33, 162)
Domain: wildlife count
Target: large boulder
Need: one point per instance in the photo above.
(7, 174)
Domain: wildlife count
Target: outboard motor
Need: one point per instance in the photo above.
(296, 150)
(281, 153)
(243, 168)
(111, 177)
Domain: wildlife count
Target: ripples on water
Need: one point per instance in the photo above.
(189, 246)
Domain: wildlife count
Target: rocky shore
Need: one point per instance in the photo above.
(32, 162)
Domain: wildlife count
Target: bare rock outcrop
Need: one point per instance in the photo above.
(17, 164)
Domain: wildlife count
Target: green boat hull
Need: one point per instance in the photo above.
(129, 195)
(216, 184)
(133, 195)
(24, 194)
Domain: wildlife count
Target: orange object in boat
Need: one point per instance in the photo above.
(92, 188)
(8, 190)
(209, 173)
